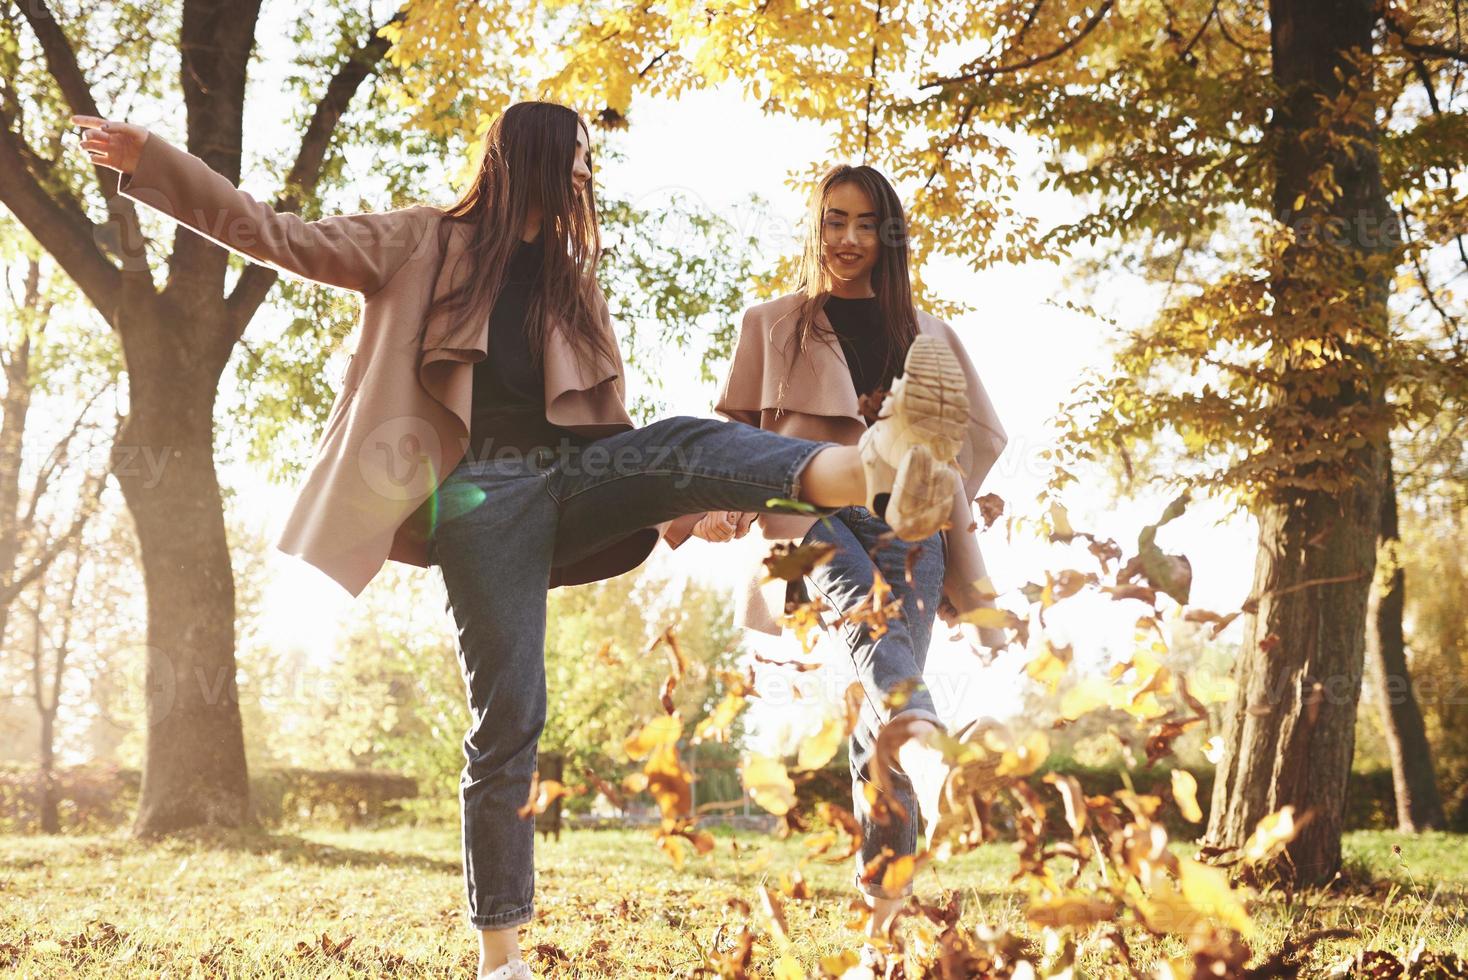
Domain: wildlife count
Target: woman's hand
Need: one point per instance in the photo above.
(723, 525)
(112, 143)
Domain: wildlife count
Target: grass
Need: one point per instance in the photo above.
(608, 904)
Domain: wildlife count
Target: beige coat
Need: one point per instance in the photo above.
(820, 402)
(400, 422)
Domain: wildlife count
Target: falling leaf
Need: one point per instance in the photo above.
(1085, 696)
(776, 912)
(839, 964)
(990, 618)
(1159, 742)
(876, 607)
(800, 665)
(1185, 792)
(717, 726)
(668, 782)
(546, 792)
(1207, 890)
(675, 847)
(805, 621)
(793, 562)
(1073, 798)
(1270, 835)
(991, 508)
(1026, 757)
(1220, 622)
(818, 749)
(768, 783)
(792, 885)
(664, 730)
(1060, 523)
(1048, 666)
(898, 873)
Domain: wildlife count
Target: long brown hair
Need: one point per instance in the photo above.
(890, 280)
(527, 158)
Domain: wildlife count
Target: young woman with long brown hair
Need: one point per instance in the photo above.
(823, 362)
(481, 427)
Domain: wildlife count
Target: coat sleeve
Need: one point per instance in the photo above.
(740, 398)
(355, 251)
(987, 437)
(982, 449)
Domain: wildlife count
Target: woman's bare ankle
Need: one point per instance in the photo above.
(497, 947)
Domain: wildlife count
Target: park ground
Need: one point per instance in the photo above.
(389, 902)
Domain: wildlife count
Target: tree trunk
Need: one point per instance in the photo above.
(176, 343)
(1290, 734)
(1419, 805)
(194, 769)
(46, 777)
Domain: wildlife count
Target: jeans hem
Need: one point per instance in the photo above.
(792, 482)
(504, 920)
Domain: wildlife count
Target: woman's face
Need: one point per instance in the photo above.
(581, 165)
(849, 233)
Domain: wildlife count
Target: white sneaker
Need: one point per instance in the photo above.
(908, 453)
(870, 965)
(516, 969)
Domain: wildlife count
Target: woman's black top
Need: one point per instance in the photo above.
(858, 325)
(509, 388)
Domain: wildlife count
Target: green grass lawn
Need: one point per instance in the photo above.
(609, 903)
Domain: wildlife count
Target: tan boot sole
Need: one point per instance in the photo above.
(927, 412)
(930, 400)
(922, 496)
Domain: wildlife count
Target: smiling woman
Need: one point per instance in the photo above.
(835, 359)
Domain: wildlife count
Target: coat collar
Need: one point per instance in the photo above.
(575, 393)
(817, 384)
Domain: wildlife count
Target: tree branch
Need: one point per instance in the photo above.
(61, 63)
(255, 282)
(866, 125)
(59, 224)
(991, 70)
(1421, 48)
(90, 501)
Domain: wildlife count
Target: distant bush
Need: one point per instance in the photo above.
(95, 798)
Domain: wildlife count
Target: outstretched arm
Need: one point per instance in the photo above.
(357, 251)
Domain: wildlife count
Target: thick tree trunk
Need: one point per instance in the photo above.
(194, 771)
(1290, 734)
(176, 344)
(1419, 805)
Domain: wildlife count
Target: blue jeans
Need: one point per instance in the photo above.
(503, 523)
(889, 665)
